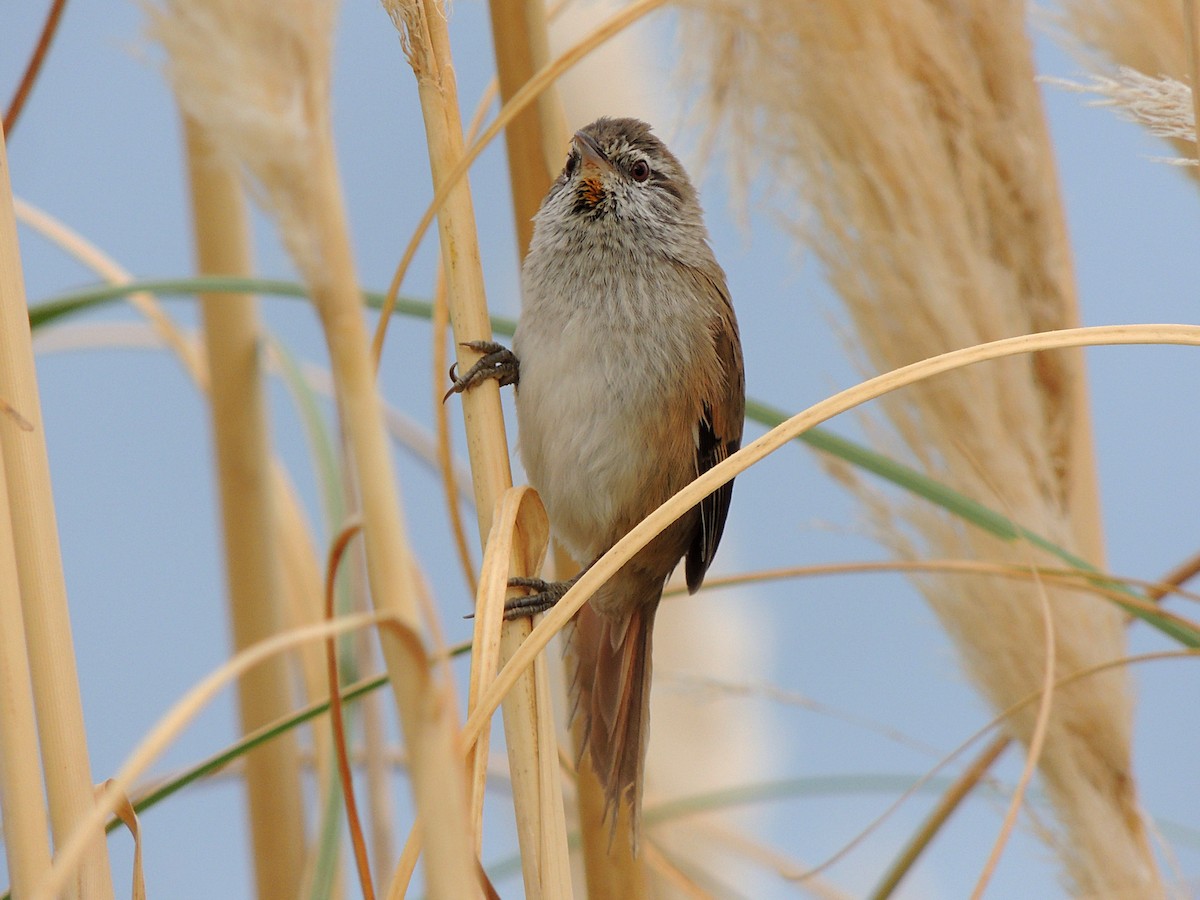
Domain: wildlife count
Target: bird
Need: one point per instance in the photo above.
(630, 383)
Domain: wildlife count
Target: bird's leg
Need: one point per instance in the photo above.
(545, 595)
(497, 362)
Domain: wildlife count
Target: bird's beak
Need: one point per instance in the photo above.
(591, 157)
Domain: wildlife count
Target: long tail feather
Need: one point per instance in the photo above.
(612, 689)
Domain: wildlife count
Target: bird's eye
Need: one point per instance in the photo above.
(640, 171)
(572, 164)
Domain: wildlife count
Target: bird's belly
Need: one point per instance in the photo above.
(601, 452)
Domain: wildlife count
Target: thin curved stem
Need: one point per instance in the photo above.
(34, 66)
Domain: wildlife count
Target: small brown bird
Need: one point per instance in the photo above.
(630, 383)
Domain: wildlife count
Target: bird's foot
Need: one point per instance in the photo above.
(545, 595)
(497, 362)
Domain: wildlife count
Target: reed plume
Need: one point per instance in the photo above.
(1163, 106)
(1149, 37)
(1143, 58)
(913, 133)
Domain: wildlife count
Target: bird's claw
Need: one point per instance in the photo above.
(497, 362)
(545, 595)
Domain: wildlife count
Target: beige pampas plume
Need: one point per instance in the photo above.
(1146, 36)
(256, 75)
(1163, 106)
(913, 132)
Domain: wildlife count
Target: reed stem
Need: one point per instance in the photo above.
(423, 27)
(22, 803)
(426, 709)
(232, 340)
(43, 589)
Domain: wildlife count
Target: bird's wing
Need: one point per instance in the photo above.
(719, 432)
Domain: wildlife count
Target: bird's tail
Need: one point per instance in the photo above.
(611, 690)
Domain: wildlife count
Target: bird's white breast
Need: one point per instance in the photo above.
(606, 434)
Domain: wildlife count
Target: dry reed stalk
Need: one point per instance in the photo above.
(378, 780)
(22, 803)
(439, 329)
(232, 341)
(421, 25)
(915, 132)
(517, 544)
(358, 843)
(257, 78)
(537, 799)
(43, 591)
(128, 816)
(370, 707)
(610, 871)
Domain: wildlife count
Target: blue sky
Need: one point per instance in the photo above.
(99, 147)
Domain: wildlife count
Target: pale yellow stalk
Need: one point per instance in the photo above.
(423, 32)
(257, 78)
(518, 545)
(422, 28)
(378, 780)
(377, 795)
(610, 871)
(426, 708)
(451, 484)
(43, 591)
(439, 328)
(233, 344)
(22, 803)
